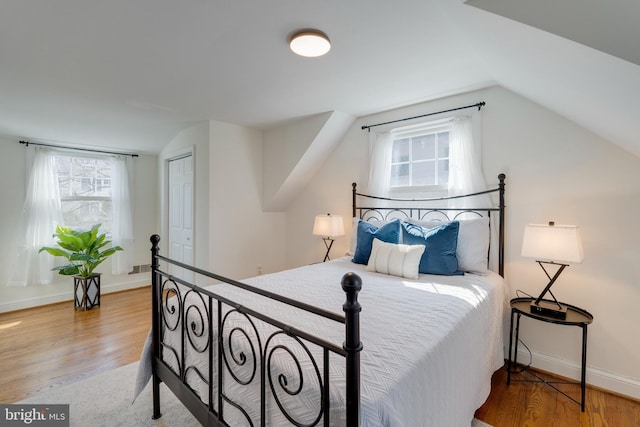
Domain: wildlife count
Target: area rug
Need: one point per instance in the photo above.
(105, 401)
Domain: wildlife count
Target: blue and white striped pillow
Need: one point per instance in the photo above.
(395, 259)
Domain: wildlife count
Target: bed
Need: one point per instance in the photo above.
(341, 343)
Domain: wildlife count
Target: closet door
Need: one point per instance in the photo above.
(181, 214)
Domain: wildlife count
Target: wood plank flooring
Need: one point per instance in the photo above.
(538, 405)
(55, 345)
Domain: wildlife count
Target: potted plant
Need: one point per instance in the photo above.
(84, 251)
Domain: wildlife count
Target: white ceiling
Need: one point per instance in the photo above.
(130, 74)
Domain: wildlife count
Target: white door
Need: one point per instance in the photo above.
(181, 210)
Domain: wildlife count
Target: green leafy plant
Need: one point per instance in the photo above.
(83, 250)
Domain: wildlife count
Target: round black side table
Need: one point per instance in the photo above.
(575, 317)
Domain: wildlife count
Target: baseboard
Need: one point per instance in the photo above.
(596, 377)
(143, 280)
(146, 281)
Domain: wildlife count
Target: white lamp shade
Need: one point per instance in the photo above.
(328, 225)
(559, 243)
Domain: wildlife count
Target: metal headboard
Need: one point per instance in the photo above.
(427, 209)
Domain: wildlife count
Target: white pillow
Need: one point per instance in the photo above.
(473, 242)
(354, 237)
(395, 259)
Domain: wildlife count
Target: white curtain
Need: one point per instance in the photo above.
(380, 147)
(122, 228)
(41, 215)
(465, 174)
(465, 164)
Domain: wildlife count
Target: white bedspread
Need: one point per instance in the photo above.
(430, 345)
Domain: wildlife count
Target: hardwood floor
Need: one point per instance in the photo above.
(55, 345)
(538, 405)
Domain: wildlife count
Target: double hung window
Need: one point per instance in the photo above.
(85, 191)
(420, 157)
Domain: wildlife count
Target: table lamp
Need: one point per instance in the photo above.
(328, 226)
(551, 245)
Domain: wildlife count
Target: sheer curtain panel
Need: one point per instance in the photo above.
(41, 214)
(465, 174)
(465, 163)
(122, 228)
(380, 148)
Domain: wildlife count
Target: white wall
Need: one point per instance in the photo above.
(283, 147)
(13, 183)
(555, 170)
(242, 238)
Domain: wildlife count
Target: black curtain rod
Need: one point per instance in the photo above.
(27, 143)
(479, 105)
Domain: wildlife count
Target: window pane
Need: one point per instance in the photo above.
(84, 214)
(80, 177)
(400, 151)
(84, 177)
(423, 147)
(400, 175)
(443, 172)
(424, 173)
(421, 158)
(443, 144)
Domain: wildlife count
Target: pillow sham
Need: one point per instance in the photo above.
(440, 243)
(395, 259)
(473, 242)
(353, 243)
(354, 236)
(366, 232)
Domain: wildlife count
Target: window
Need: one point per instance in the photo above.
(420, 157)
(85, 191)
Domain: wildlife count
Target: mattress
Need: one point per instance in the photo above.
(430, 345)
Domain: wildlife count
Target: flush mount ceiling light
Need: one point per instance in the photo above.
(309, 43)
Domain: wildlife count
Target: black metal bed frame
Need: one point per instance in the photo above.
(200, 318)
(207, 334)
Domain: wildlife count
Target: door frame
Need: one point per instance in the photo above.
(164, 195)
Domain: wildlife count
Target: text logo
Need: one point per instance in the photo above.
(34, 415)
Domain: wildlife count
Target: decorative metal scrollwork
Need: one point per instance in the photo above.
(176, 358)
(375, 214)
(239, 343)
(291, 385)
(371, 215)
(240, 409)
(434, 215)
(467, 214)
(170, 297)
(171, 314)
(196, 321)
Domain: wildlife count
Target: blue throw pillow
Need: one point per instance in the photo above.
(389, 233)
(440, 243)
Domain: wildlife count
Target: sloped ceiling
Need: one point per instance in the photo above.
(131, 74)
(608, 26)
(589, 85)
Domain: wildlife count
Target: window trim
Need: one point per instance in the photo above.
(424, 128)
(88, 199)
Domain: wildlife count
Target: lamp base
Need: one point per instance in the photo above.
(550, 309)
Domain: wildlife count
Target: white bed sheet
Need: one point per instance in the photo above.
(430, 345)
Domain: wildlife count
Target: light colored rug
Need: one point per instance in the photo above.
(105, 401)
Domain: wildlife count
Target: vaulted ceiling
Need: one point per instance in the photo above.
(131, 74)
